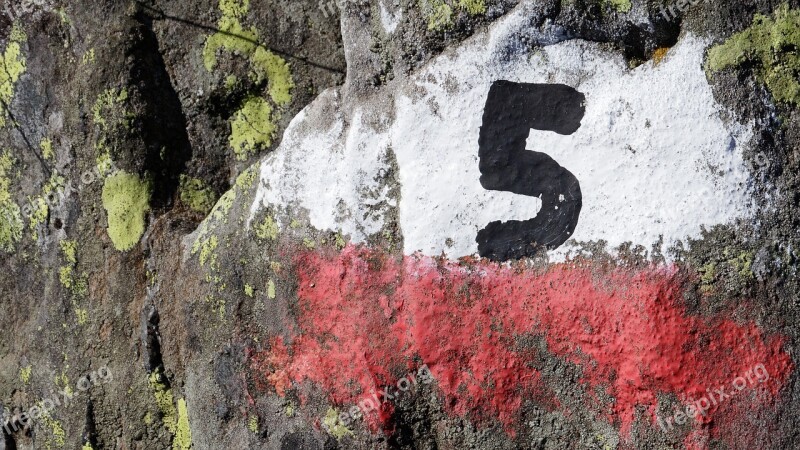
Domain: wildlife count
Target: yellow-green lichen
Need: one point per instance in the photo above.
(474, 7)
(771, 45)
(249, 290)
(183, 433)
(207, 249)
(252, 424)
(267, 229)
(10, 214)
(25, 374)
(57, 436)
(89, 57)
(253, 125)
(196, 195)
(334, 426)
(82, 315)
(273, 68)
(126, 199)
(620, 5)
(438, 13)
(108, 111)
(252, 128)
(47, 148)
(87, 446)
(13, 65)
(39, 205)
(164, 401)
(69, 248)
(271, 289)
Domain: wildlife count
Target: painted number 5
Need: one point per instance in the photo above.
(511, 111)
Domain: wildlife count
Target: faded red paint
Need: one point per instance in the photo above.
(366, 318)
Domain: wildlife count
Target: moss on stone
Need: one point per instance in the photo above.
(13, 65)
(196, 195)
(126, 199)
(251, 128)
(183, 432)
(771, 43)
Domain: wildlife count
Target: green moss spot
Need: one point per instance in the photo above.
(13, 66)
(267, 229)
(183, 433)
(196, 195)
(126, 199)
(334, 426)
(771, 45)
(251, 128)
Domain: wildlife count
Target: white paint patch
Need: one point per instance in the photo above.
(652, 156)
(389, 20)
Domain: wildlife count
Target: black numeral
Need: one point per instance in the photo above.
(511, 111)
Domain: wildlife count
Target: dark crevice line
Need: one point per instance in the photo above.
(161, 15)
(18, 127)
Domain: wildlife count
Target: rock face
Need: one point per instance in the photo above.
(481, 224)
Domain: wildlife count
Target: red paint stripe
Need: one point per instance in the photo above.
(365, 318)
